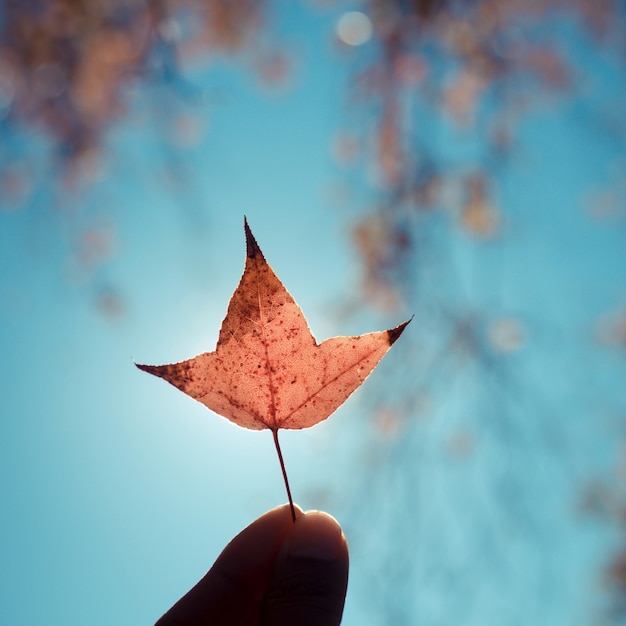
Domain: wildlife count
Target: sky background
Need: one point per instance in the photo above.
(118, 492)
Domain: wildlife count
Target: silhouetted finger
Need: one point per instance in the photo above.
(232, 591)
(308, 587)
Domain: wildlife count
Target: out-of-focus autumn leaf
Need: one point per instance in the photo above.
(410, 69)
(506, 335)
(479, 217)
(267, 370)
(604, 206)
(345, 149)
(462, 97)
(611, 328)
(110, 303)
(389, 148)
(274, 67)
(460, 444)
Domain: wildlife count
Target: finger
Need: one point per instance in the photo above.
(311, 575)
(231, 592)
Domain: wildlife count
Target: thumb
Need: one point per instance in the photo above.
(310, 578)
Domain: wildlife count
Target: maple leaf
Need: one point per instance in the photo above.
(267, 370)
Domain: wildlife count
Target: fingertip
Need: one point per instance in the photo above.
(317, 535)
(258, 544)
(310, 579)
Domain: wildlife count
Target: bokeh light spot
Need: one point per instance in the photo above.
(354, 28)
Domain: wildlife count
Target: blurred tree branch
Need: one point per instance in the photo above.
(65, 64)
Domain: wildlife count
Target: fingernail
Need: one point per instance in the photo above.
(316, 535)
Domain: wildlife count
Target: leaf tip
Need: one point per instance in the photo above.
(394, 333)
(146, 368)
(252, 247)
(162, 371)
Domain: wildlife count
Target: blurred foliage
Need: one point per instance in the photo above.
(480, 66)
(64, 64)
(471, 74)
(433, 72)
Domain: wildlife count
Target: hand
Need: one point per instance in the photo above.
(273, 573)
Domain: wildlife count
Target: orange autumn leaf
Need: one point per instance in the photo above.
(267, 370)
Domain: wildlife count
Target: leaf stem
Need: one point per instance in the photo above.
(282, 467)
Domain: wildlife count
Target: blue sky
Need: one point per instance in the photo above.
(119, 492)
